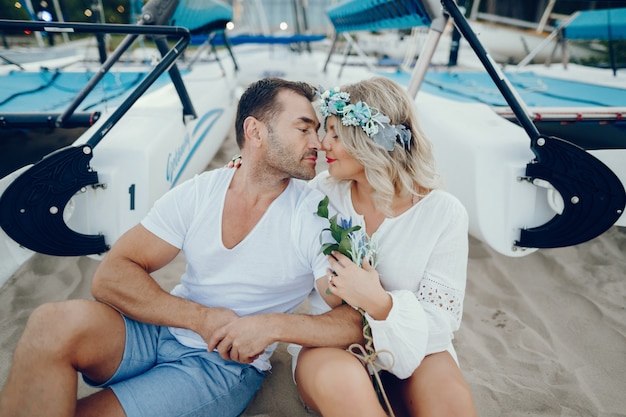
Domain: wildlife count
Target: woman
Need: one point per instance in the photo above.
(382, 177)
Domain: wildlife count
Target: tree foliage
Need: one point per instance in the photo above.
(115, 11)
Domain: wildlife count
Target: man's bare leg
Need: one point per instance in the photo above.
(99, 404)
(61, 339)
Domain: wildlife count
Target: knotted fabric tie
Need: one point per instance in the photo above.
(368, 356)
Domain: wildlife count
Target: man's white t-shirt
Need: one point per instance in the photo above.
(272, 269)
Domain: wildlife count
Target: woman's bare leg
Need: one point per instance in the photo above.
(436, 388)
(333, 382)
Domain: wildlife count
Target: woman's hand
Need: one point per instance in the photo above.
(235, 162)
(322, 287)
(359, 287)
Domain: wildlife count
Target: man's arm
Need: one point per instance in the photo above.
(244, 339)
(123, 281)
(338, 327)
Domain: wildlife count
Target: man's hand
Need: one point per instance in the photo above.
(213, 320)
(242, 340)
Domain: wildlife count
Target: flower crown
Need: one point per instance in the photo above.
(374, 124)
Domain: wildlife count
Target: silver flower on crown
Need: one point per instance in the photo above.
(375, 124)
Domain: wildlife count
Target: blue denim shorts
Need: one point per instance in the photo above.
(158, 376)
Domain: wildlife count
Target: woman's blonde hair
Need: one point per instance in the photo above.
(400, 171)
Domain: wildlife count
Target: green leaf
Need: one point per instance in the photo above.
(327, 248)
(345, 247)
(322, 234)
(354, 228)
(322, 208)
(346, 232)
(335, 229)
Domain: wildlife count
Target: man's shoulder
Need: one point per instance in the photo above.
(214, 174)
(304, 191)
(206, 178)
(302, 198)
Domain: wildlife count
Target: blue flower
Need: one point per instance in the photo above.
(362, 113)
(346, 224)
(350, 240)
(375, 124)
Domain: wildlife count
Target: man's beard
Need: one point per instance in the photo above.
(281, 158)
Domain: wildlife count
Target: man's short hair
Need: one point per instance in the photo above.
(259, 101)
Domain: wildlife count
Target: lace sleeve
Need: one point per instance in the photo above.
(443, 306)
(443, 297)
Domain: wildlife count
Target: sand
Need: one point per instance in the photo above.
(542, 335)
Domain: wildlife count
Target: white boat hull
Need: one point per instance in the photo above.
(483, 158)
(149, 151)
(136, 172)
(506, 45)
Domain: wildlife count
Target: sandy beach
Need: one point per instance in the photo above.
(542, 335)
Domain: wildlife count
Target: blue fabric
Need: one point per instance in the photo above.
(258, 39)
(356, 15)
(200, 15)
(535, 90)
(158, 376)
(49, 91)
(605, 24)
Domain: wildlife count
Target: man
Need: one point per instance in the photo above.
(250, 239)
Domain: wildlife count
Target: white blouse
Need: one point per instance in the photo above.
(422, 262)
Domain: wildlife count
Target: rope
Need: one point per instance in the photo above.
(42, 87)
(368, 355)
